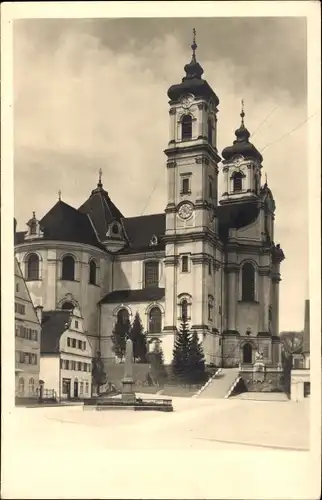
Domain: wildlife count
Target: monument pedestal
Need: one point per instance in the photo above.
(128, 393)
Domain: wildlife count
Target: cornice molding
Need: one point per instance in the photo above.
(148, 255)
(193, 149)
(54, 244)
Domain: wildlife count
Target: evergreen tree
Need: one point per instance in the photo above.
(196, 360)
(181, 351)
(120, 335)
(138, 338)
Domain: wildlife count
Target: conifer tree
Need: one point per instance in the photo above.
(156, 359)
(181, 351)
(196, 360)
(120, 335)
(138, 338)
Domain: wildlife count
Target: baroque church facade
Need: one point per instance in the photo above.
(209, 257)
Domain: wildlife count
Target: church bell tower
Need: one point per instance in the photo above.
(191, 228)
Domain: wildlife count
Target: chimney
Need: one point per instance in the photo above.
(39, 313)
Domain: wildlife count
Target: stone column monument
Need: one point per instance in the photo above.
(128, 393)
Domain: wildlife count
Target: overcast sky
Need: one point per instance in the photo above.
(91, 94)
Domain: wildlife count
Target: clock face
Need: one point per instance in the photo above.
(185, 211)
(186, 101)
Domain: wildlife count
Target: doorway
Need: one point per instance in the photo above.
(76, 389)
(66, 388)
(247, 354)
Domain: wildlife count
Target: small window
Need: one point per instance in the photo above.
(17, 287)
(21, 386)
(74, 343)
(209, 268)
(92, 272)
(76, 324)
(86, 387)
(186, 128)
(81, 387)
(79, 366)
(237, 182)
(68, 268)
(31, 387)
(115, 229)
(185, 185)
(32, 267)
(84, 346)
(185, 264)
(151, 274)
(67, 364)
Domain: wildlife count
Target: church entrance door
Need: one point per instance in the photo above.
(247, 354)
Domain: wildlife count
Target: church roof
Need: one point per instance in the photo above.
(128, 296)
(140, 230)
(241, 145)
(54, 324)
(235, 216)
(65, 223)
(101, 210)
(192, 82)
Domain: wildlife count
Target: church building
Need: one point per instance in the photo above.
(209, 257)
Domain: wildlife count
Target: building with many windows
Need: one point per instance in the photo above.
(209, 257)
(27, 340)
(66, 354)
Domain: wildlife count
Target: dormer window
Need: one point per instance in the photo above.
(154, 241)
(186, 127)
(115, 229)
(34, 230)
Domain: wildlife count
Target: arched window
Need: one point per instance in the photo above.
(210, 131)
(31, 387)
(237, 182)
(184, 309)
(248, 282)
(186, 127)
(92, 272)
(151, 274)
(123, 316)
(21, 386)
(155, 320)
(68, 268)
(68, 306)
(33, 267)
(247, 353)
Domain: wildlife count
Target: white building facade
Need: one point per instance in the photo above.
(209, 257)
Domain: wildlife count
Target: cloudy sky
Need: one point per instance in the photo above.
(91, 94)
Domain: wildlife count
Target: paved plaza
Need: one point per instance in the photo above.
(198, 424)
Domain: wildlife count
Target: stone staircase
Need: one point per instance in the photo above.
(221, 385)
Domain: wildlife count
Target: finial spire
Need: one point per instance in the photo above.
(33, 215)
(99, 184)
(265, 178)
(194, 45)
(242, 114)
(59, 195)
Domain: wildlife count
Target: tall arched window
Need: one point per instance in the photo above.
(68, 306)
(210, 308)
(155, 320)
(33, 267)
(151, 274)
(31, 387)
(68, 268)
(186, 127)
(184, 309)
(237, 181)
(248, 282)
(92, 272)
(123, 316)
(21, 386)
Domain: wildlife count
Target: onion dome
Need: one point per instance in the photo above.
(192, 82)
(241, 145)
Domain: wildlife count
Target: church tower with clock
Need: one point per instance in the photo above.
(192, 247)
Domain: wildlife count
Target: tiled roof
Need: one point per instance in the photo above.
(65, 223)
(19, 237)
(139, 231)
(54, 323)
(128, 296)
(101, 210)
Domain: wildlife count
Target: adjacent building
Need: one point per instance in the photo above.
(27, 340)
(209, 257)
(66, 355)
